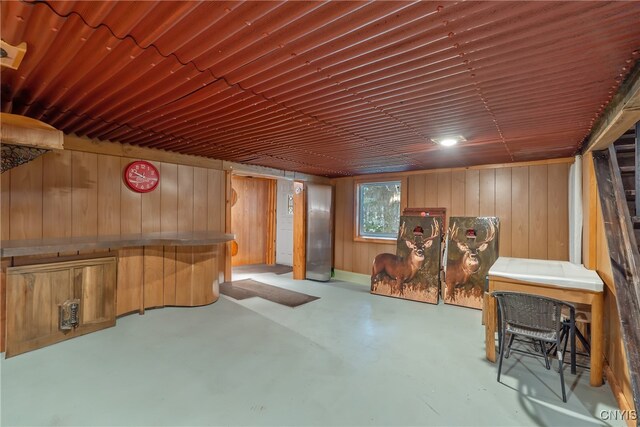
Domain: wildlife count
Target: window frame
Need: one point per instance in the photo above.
(357, 237)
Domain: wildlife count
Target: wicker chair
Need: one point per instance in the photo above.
(536, 318)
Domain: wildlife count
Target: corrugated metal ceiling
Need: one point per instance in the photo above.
(331, 89)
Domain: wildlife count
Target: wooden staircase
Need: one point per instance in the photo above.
(627, 149)
(618, 179)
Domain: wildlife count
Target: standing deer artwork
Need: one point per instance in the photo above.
(400, 270)
(462, 270)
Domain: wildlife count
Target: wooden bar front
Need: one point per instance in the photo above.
(185, 272)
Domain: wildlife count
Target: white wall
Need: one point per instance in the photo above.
(284, 223)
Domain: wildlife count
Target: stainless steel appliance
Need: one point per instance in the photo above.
(319, 231)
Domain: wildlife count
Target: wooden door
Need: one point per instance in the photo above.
(33, 297)
(95, 286)
(36, 292)
(251, 220)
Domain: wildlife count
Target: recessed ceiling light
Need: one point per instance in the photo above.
(448, 141)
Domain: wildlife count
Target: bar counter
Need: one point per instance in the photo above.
(14, 248)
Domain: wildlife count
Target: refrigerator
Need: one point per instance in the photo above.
(319, 232)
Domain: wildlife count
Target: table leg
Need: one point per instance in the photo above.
(490, 328)
(597, 338)
(485, 297)
(572, 337)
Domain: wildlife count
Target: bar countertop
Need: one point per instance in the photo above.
(11, 248)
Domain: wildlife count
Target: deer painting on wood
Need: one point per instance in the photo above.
(413, 272)
(472, 248)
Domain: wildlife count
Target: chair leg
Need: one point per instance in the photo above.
(572, 336)
(506, 356)
(563, 332)
(502, 346)
(543, 348)
(564, 395)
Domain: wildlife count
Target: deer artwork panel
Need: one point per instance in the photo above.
(413, 273)
(472, 248)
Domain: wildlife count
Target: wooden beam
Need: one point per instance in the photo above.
(621, 114)
(21, 130)
(299, 231)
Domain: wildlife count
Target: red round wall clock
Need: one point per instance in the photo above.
(141, 176)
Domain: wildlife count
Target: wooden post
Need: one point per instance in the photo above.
(589, 207)
(227, 225)
(299, 231)
(3, 303)
(597, 339)
(490, 318)
(270, 256)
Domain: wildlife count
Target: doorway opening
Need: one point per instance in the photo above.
(253, 220)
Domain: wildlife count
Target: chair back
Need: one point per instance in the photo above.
(530, 311)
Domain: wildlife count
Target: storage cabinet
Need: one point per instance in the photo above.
(36, 297)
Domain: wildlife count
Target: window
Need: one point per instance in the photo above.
(378, 213)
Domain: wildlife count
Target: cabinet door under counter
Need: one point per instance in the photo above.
(59, 288)
(49, 303)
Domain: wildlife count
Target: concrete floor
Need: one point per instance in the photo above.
(349, 359)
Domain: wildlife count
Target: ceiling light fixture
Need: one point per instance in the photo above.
(448, 141)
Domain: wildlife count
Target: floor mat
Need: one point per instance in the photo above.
(262, 268)
(249, 288)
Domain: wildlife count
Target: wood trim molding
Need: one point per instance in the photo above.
(76, 143)
(390, 175)
(272, 173)
(299, 231)
(270, 256)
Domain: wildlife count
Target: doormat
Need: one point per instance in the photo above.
(262, 268)
(249, 288)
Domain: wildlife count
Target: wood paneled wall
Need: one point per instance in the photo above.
(596, 257)
(251, 219)
(76, 193)
(531, 201)
(73, 193)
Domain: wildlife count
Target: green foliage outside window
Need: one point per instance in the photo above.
(379, 209)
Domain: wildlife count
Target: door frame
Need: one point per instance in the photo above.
(270, 248)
